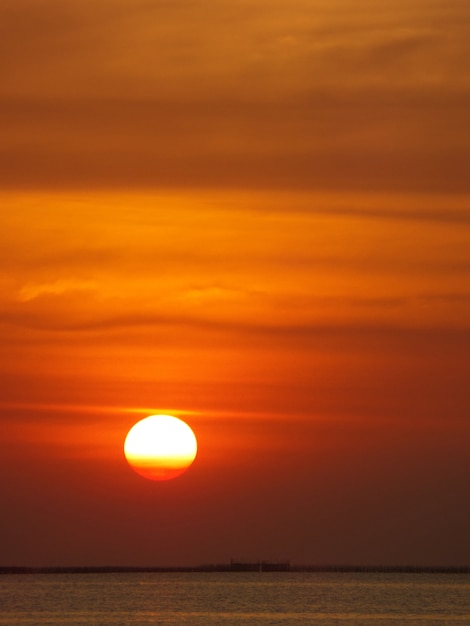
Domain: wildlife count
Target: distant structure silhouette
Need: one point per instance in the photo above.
(259, 566)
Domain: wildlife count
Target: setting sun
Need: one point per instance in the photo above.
(160, 447)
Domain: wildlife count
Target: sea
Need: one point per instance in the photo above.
(238, 599)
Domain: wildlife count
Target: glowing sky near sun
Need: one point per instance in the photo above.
(253, 216)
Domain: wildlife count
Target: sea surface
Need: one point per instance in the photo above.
(206, 599)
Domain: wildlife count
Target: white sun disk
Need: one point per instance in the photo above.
(160, 447)
(160, 435)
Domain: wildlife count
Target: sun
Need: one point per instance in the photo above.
(160, 447)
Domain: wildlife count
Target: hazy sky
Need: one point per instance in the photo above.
(254, 216)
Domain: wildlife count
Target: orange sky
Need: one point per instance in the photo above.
(254, 217)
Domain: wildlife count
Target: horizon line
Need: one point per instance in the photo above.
(264, 566)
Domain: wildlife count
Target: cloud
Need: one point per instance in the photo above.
(250, 95)
(143, 48)
(32, 291)
(335, 142)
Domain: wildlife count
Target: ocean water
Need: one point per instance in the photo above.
(207, 599)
